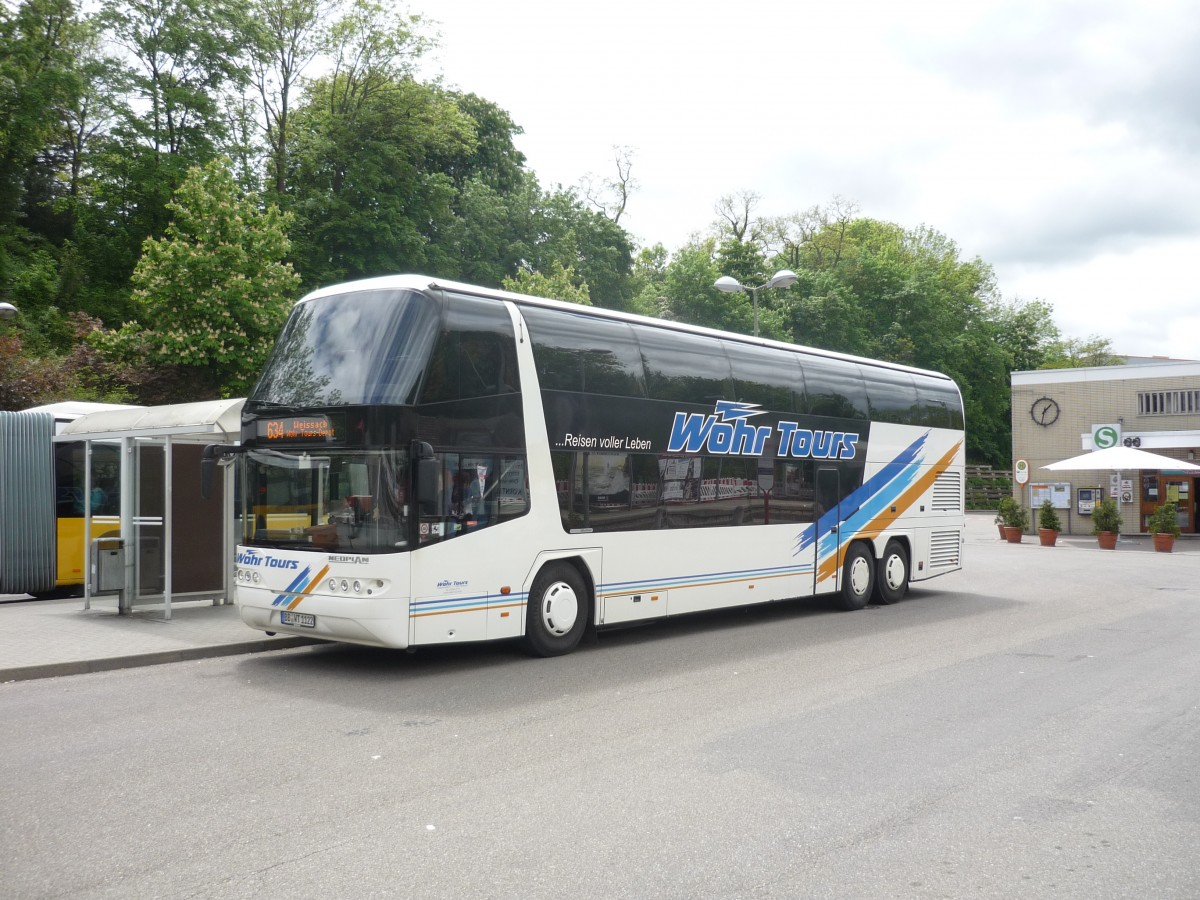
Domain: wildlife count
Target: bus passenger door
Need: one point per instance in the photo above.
(829, 538)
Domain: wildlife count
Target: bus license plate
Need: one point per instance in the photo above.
(304, 620)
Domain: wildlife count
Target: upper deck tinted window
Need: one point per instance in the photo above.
(767, 376)
(685, 368)
(941, 404)
(475, 355)
(892, 395)
(834, 388)
(582, 353)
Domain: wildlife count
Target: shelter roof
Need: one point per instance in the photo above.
(73, 409)
(204, 421)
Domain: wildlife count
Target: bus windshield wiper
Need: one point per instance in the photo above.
(272, 404)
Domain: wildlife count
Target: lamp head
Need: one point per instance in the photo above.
(7, 311)
(728, 284)
(782, 278)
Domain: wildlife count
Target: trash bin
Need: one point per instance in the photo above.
(108, 565)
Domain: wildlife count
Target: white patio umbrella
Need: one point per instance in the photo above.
(1121, 458)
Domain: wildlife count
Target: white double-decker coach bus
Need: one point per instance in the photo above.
(426, 462)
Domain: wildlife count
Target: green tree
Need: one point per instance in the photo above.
(687, 293)
(183, 63)
(558, 283)
(558, 227)
(492, 196)
(647, 281)
(1027, 332)
(287, 36)
(366, 200)
(212, 294)
(1076, 353)
(38, 79)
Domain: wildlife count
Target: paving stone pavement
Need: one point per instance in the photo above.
(48, 638)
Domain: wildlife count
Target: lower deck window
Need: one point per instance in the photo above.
(637, 492)
(475, 490)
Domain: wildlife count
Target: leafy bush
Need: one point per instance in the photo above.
(1013, 514)
(1163, 520)
(1048, 517)
(1106, 517)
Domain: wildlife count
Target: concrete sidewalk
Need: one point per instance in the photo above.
(46, 638)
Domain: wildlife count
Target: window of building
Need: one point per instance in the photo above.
(1168, 403)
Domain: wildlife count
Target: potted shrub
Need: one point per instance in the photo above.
(1106, 523)
(1048, 524)
(999, 520)
(1163, 526)
(1015, 518)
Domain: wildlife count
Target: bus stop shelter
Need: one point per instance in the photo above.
(172, 543)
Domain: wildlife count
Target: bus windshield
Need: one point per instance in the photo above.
(333, 500)
(358, 348)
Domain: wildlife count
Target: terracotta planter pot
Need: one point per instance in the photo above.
(1048, 536)
(1000, 526)
(1107, 540)
(1163, 543)
(1012, 534)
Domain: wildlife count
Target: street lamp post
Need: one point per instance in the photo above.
(731, 285)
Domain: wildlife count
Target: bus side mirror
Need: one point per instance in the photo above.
(208, 460)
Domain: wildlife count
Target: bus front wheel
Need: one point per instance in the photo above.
(558, 611)
(858, 577)
(892, 578)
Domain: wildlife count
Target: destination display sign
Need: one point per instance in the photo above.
(298, 428)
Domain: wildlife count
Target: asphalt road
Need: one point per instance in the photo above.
(1029, 727)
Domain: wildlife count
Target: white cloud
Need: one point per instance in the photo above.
(1055, 139)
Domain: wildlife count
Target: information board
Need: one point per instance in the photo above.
(1058, 493)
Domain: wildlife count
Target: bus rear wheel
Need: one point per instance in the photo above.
(558, 611)
(891, 581)
(858, 577)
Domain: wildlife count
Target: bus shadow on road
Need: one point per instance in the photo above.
(444, 679)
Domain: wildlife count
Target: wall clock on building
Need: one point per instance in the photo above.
(1044, 411)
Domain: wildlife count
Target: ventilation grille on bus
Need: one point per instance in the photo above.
(945, 550)
(947, 492)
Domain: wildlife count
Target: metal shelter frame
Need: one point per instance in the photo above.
(206, 422)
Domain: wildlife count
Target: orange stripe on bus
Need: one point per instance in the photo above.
(827, 568)
(308, 590)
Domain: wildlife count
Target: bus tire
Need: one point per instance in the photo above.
(891, 577)
(858, 577)
(558, 611)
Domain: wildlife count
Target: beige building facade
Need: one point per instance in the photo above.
(1150, 404)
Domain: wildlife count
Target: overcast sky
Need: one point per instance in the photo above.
(1057, 140)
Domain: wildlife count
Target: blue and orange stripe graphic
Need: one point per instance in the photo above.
(300, 587)
(871, 509)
